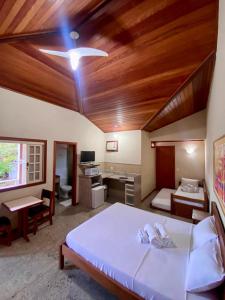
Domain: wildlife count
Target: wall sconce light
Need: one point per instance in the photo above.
(190, 149)
(153, 145)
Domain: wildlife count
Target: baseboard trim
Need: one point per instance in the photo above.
(142, 200)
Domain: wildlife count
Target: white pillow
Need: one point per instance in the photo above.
(187, 181)
(203, 232)
(205, 269)
(189, 188)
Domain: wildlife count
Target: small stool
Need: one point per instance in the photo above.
(199, 215)
(5, 231)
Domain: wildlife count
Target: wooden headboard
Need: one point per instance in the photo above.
(221, 232)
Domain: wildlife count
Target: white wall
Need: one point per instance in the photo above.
(129, 147)
(148, 165)
(25, 117)
(192, 127)
(216, 104)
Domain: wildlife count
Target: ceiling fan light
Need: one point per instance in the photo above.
(74, 60)
(74, 63)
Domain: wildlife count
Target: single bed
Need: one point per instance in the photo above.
(112, 255)
(183, 203)
(162, 200)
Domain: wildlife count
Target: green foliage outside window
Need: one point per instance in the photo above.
(8, 155)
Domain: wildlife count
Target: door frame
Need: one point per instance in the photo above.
(174, 175)
(74, 171)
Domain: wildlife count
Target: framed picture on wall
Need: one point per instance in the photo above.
(112, 146)
(219, 170)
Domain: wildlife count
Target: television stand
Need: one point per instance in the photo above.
(88, 165)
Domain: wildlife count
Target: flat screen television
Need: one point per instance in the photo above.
(87, 156)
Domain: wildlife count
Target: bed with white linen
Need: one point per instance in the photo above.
(107, 246)
(183, 203)
(200, 196)
(180, 202)
(163, 199)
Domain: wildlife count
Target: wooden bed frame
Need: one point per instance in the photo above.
(182, 209)
(185, 210)
(115, 287)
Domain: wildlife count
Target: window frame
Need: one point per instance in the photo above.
(44, 162)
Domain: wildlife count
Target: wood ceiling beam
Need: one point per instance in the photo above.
(92, 12)
(36, 54)
(10, 38)
(185, 83)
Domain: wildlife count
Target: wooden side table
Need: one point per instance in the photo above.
(21, 206)
(6, 231)
(199, 215)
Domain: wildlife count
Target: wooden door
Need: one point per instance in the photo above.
(165, 167)
(74, 175)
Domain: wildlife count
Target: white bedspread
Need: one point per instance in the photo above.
(196, 196)
(109, 241)
(163, 199)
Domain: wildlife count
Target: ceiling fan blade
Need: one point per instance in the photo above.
(57, 53)
(89, 52)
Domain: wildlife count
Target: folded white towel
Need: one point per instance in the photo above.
(164, 236)
(143, 236)
(153, 236)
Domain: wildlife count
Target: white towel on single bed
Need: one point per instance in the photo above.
(164, 236)
(153, 236)
(143, 236)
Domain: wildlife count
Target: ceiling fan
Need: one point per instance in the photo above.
(74, 55)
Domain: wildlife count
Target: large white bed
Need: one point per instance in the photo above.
(109, 242)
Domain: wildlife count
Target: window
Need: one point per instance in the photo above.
(22, 163)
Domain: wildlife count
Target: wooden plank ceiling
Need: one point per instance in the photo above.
(159, 69)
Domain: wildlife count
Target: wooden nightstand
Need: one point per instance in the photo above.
(199, 215)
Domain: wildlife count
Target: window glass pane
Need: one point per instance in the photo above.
(37, 176)
(31, 176)
(31, 167)
(38, 149)
(31, 149)
(9, 168)
(21, 163)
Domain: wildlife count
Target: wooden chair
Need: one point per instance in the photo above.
(41, 213)
(5, 231)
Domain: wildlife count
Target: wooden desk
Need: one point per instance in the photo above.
(21, 206)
